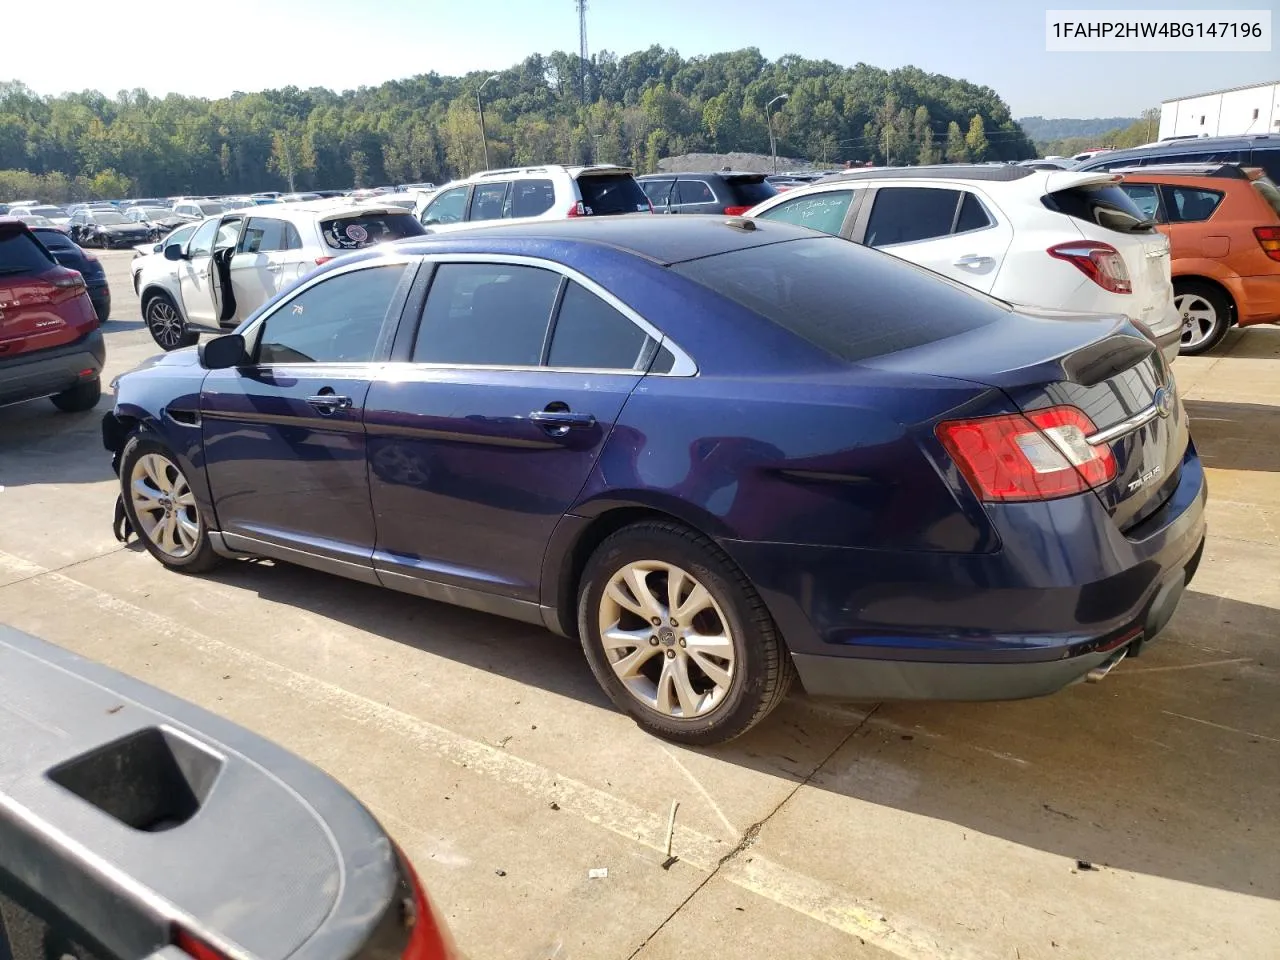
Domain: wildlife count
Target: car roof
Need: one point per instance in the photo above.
(544, 168)
(1195, 145)
(999, 172)
(727, 174)
(664, 240)
(1226, 171)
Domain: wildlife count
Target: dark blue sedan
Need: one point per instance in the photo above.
(718, 452)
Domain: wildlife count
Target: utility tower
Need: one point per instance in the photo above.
(582, 49)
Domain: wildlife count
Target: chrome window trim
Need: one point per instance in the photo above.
(683, 365)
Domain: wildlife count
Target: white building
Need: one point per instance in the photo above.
(1224, 113)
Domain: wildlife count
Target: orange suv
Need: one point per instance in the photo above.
(1223, 225)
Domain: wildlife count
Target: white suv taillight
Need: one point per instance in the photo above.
(1098, 261)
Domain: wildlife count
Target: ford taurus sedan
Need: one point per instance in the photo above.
(717, 452)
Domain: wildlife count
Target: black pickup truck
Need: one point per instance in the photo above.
(136, 826)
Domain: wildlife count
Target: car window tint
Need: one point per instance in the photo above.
(1144, 198)
(361, 230)
(486, 313)
(228, 234)
(263, 236)
(1269, 160)
(844, 299)
(487, 200)
(973, 216)
(336, 321)
(21, 253)
(908, 214)
(819, 211)
(748, 191)
(448, 207)
(202, 242)
(611, 193)
(1102, 203)
(1189, 205)
(589, 333)
(694, 191)
(657, 190)
(1267, 190)
(664, 362)
(529, 198)
(292, 240)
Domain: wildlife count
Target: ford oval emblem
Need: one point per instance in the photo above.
(1163, 401)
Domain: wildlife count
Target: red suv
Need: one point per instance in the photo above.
(50, 344)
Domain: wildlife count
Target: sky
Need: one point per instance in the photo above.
(191, 48)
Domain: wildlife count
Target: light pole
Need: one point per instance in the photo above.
(773, 143)
(484, 141)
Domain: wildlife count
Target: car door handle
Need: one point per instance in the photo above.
(327, 404)
(274, 268)
(974, 260)
(562, 420)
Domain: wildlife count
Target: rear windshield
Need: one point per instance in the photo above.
(53, 240)
(20, 253)
(1269, 193)
(1104, 204)
(749, 192)
(852, 302)
(612, 193)
(364, 230)
(46, 211)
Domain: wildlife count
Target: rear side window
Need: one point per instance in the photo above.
(366, 229)
(487, 200)
(818, 211)
(492, 314)
(694, 191)
(591, 334)
(973, 215)
(20, 253)
(530, 198)
(609, 193)
(1268, 160)
(262, 236)
(1104, 204)
(847, 300)
(1190, 205)
(908, 214)
(749, 191)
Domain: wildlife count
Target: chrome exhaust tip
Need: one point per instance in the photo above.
(1098, 673)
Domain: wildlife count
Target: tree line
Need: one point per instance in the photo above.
(1143, 130)
(633, 110)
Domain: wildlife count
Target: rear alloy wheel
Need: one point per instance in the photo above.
(1205, 313)
(167, 327)
(162, 508)
(678, 637)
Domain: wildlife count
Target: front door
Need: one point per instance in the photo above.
(194, 274)
(284, 436)
(481, 442)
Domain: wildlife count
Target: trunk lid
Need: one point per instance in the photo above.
(1100, 365)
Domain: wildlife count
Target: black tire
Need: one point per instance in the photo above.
(762, 672)
(83, 396)
(201, 557)
(1216, 300)
(166, 324)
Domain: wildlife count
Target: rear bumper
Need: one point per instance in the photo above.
(1066, 592)
(51, 371)
(1257, 299)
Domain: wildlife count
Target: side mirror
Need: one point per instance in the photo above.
(224, 352)
(174, 252)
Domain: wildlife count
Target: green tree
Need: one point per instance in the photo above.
(957, 151)
(976, 139)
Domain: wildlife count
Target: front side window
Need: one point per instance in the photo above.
(1190, 205)
(336, 321)
(818, 211)
(202, 242)
(448, 207)
(493, 314)
(590, 334)
(909, 214)
(1144, 197)
(487, 200)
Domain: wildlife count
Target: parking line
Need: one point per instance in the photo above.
(803, 894)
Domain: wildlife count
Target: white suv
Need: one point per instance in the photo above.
(234, 263)
(525, 194)
(1040, 238)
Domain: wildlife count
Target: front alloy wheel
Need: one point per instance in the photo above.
(166, 325)
(666, 639)
(164, 505)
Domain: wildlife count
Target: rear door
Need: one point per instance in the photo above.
(950, 230)
(488, 200)
(484, 434)
(695, 195)
(259, 264)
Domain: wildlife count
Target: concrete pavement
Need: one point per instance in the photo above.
(870, 831)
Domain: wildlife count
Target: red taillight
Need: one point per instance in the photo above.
(321, 261)
(428, 936)
(735, 211)
(580, 210)
(1042, 455)
(1100, 262)
(194, 947)
(71, 280)
(1269, 238)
